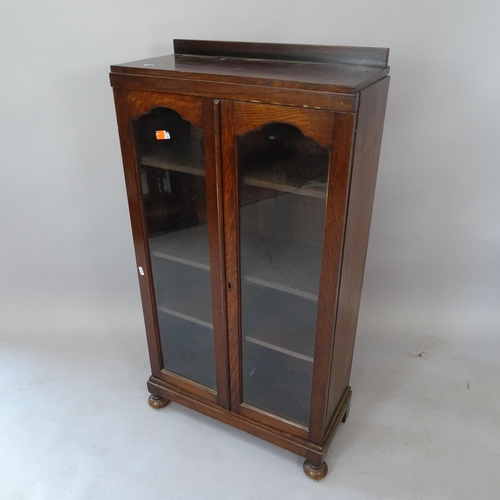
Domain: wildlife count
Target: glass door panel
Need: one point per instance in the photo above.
(172, 173)
(282, 197)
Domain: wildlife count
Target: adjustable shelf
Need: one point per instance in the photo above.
(258, 175)
(283, 322)
(193, 347)
(166, 164)
(182, 291)
(182, 288)
(187, 246)
(282, 267)
(263, 174)
(292, 378)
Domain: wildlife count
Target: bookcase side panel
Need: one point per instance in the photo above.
(363, 179)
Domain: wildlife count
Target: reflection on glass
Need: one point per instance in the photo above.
(172, 174)
(282, 193)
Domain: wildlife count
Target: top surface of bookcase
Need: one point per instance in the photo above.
(308, 67)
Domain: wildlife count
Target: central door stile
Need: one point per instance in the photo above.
(211, 115)
(232, 252)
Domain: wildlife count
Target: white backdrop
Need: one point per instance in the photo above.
(432, 280)
(435, 240)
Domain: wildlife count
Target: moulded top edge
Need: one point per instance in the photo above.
(303, 75)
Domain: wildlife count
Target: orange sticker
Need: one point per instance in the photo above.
(161, 135)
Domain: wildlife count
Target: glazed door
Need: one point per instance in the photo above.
(277, 175)
(172, 176)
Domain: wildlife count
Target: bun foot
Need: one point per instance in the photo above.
(157, 402)
(314, 472)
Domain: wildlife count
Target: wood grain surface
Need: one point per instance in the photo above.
(336, 96)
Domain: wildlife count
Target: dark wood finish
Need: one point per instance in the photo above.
(369, 56)
(216, 245)
(132, 183)
(364, 172)
(337, 97)
(238, 119)
(313, 452)
(129, 106)
(267, 418)
(313, 472)
(157, 402)
(314, 124)
(189, 385)
(190, 108)
(338, 183)
(232, 242)
(236, 91)
(336, 69)
(282, 74)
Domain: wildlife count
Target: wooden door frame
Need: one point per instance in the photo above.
(203, 113)
(336, 131)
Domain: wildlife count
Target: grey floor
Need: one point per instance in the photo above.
(75, 424)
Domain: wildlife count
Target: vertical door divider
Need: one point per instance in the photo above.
(232, 251)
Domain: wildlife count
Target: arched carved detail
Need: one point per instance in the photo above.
(187, 107)
(295, 140)
(317, 125)
(152, 109)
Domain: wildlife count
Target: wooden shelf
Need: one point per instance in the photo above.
(184, 292)
(290, 268)
(175, 166)
(290, 378)
(278, 321)
(258, 175)
(187, 246)
(314, 189)
(283, 323)
(290, 175)
(293, 269)
(187, 350)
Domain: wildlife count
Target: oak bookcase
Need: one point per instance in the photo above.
(250, 171)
